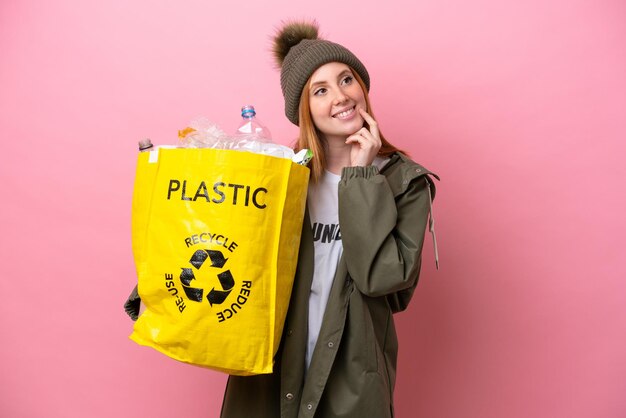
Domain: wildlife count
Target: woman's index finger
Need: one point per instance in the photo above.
(370, 121)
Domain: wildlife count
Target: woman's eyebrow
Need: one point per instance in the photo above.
(317, 83)
(341, 74)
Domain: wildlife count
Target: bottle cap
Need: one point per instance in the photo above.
(145, 144)
(248, 111)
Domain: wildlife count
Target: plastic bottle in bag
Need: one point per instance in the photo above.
(255, 137)
(251, 134)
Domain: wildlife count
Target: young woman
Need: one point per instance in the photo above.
(360, 252)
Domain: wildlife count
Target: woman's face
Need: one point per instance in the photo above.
(334, 95)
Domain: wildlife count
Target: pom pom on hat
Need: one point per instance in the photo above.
(291, 35)
(299, 52)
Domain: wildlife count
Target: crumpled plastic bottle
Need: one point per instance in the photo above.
(202, 133)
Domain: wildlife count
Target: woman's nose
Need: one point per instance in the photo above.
(340, 97)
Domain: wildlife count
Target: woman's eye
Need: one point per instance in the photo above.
(319, 92)
(347, 79)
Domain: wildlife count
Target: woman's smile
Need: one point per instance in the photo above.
(346, 113)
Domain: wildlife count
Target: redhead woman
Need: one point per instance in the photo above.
(367, 211)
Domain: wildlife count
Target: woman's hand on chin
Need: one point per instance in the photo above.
(365, 142)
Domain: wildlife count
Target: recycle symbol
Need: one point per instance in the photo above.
(226, 278)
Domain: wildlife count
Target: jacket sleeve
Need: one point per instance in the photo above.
(131, 306)
(382, 234)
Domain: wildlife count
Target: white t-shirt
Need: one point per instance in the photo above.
(323, 205)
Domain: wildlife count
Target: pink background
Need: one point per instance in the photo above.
(520, 106)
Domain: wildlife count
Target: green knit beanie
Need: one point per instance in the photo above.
(299, 52)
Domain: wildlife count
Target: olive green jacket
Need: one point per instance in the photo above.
(383, 218)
